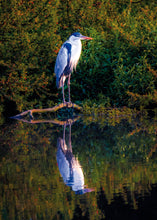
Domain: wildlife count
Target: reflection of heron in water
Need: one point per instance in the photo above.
(69, 166)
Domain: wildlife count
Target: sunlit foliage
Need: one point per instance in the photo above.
(117, 68)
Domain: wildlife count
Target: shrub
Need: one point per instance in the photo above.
(121, 60)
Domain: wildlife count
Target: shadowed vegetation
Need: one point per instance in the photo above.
(118, 159)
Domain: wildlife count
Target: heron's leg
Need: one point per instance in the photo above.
(63, 94)
(63, 90)
(70, 137)
(69, 86)
(64, 135)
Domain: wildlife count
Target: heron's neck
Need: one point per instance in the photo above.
(75, 42)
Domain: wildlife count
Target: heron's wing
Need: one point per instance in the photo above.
(62, 62)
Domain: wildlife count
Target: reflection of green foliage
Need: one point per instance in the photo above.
(113, 157)
(117, 68)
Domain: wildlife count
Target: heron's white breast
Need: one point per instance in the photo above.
(75, 53)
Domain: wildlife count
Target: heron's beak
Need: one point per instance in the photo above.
(86, 38)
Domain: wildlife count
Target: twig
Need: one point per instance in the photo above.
(54, 109)
(54, 121)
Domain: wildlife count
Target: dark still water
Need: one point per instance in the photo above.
(92, 169)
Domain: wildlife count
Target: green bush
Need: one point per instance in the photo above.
(28, 46)
(119, 64)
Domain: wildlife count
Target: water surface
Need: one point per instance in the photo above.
(90, 169)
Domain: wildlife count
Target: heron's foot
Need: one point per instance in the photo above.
(68, 104)
(65, 103)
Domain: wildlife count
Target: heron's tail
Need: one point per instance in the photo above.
(58, 84)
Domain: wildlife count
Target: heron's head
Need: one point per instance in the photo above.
(78, 36)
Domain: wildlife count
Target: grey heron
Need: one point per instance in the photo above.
(67, 60)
